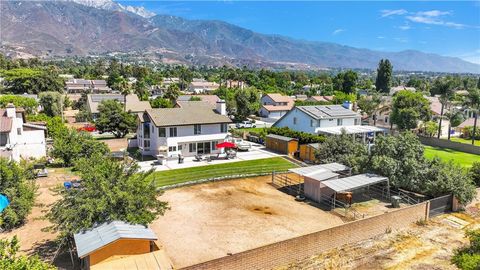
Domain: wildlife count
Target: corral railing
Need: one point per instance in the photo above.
(208, 175)
(441, 205)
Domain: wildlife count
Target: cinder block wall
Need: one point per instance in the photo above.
(288, 251)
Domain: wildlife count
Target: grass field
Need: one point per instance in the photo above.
(464, 159)
(250, 167)
(466, 141)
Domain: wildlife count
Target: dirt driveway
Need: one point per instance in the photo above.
(211, 220)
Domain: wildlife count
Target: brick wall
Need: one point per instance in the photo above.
(288, 251)
(463, 147)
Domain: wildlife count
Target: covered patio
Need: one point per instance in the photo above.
(364, 133)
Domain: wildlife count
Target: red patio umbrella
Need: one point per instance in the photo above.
(226, 145)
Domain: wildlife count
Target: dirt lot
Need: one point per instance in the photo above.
(33, 236)
(421, 246)
(208, 221)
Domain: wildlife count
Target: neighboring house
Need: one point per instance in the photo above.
(134, 105)
(236, 84)
(395, 89)
(120, 245)
(209, 99)
(312, 119)
(159, 90)
(320, 98)
(19, 139)
(436, 109)
(199, 86)
(274, 106)
(89, 86)
(190, 129)
(469, 122)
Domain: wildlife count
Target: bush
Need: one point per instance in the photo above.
(29, 104)
(475, 173)
(19, 191)
(468, 132)
(468, 258)
(55, 126)
(303, 137)
(9, 260)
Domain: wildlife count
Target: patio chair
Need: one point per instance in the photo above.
(198, 158)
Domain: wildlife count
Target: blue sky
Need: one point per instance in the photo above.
(448, 28)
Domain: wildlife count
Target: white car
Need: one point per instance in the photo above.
(241, 144)
(245, 124)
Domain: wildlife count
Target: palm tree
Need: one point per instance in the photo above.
(473, 101)
(124, 88)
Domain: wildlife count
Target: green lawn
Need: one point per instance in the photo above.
(250, 167)
(466, 141)
(464, 159)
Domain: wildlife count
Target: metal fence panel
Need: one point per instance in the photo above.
(441, 205)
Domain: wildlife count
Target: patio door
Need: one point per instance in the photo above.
(203, 148)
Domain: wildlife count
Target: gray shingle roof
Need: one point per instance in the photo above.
(327, 111)
(189, 113)
(93, 239)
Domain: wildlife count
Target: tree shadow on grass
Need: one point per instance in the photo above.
(46, 251)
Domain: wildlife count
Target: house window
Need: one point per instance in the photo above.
(339, 122)
(162, 133)
(214, 146)
(172, 149)
(312, 122)
(180, 147)
(197, 129)
(386, 119)
(173, 132)
(223, 128)
(19, 131)
(146, 144)
(294, 120)
(192, 147)
(3, 139)
(146, 131)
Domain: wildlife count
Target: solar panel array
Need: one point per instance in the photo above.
(100, 98)
(327, 111)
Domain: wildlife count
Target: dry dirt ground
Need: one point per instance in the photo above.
(210, 220)
(421, 246)
(116, 144)
(33, 236)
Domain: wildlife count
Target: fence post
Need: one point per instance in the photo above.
(273, 177)
(427, 210)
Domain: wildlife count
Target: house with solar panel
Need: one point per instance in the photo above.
(328, 120)
(134, 104)
(120, 245)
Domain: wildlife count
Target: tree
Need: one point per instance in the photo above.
(185, 77)
(73, 145)
(19, 190)
(159, 102)
(29, 104)
(110, 191)
(32, 81)
(430, 128)
(55, 125)
(474, 173)
(369, 105)
(343, 149)
(468, 258)
(384, 76)
(9, 260)
(122, 86)
(247, 102)
(408, 108)
(346, 81)
(52, 103)
(113, 119)
(444, 87)
(400, 158)
(473, 101)
(141, 90)
(172, 92)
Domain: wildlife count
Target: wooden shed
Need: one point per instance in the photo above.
(114, 240)
(281, 144)
(307, 152)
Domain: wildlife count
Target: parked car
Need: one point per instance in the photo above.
(241, 144)
(245, 124)
(87, 128)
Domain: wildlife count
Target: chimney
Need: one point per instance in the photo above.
(10, 110)
(221, 107)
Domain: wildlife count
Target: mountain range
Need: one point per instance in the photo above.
(93, 27)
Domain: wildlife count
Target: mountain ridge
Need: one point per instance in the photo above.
(69, 28)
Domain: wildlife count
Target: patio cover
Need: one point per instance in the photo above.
(357, 129)
(354, 182)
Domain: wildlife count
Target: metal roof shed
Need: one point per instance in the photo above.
(332, 167)
(354, 182)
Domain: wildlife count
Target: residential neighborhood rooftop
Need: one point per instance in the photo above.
(133, 103)
(327, 111)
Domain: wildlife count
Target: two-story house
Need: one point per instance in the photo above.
(275, 105)
(190, 129)
(312, 119)
(19, 139)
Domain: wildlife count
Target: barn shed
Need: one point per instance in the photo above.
(307, 152)
(281, 144)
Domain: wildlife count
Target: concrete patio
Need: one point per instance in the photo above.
(256, 152)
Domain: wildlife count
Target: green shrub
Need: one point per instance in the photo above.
(468, 258)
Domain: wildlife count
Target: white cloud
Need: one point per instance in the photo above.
(433, 13)
(434, 21)
(380, 37)
(338, 31)
(402, 40)
(391, 12)
(405, 27)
